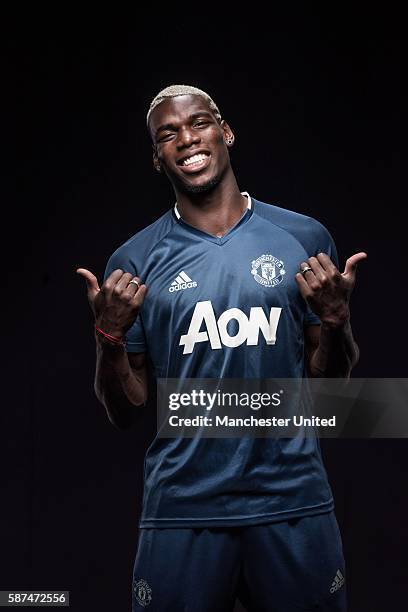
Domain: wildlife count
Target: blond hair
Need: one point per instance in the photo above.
(182, 90)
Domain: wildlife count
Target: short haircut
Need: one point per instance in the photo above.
(182, 90)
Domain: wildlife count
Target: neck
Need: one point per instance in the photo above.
(214, 211)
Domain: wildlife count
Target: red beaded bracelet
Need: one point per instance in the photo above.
(113, 339)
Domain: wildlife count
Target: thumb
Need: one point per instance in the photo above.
(352, 262)
(91, 282)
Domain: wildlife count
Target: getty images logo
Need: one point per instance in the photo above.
(183, 281)
(217, 330)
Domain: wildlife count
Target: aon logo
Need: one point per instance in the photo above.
(217, 334)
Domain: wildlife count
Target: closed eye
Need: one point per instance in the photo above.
(165, 137)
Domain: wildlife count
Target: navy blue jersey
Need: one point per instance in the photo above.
(227, 308)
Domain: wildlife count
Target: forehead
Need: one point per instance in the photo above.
(177, 110)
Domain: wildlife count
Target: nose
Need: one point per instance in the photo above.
(186, 137)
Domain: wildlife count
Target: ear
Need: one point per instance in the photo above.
(229, 137)
(156, 162)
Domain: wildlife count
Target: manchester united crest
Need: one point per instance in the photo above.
(268, 271)
(143, 593)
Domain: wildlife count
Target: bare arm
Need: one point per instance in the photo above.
(120, 378)
(330, 347)
(330, 353)
(120, 382)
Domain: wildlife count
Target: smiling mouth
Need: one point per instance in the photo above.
(195, 162)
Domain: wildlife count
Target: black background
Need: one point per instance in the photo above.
(318, 108)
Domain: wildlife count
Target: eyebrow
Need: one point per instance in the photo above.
(171, 126)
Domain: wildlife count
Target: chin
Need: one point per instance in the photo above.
(201, 188)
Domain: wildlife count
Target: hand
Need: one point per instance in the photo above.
(326, 290)
(117, 303)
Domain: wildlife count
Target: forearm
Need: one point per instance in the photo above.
(336, 354)
(117, 386)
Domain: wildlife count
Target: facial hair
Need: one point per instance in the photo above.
(203, 187)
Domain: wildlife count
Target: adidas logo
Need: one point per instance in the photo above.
(183, 281)
(337, 582)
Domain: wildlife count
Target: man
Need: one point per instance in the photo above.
(222, 517)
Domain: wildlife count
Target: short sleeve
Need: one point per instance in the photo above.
(323, 243)
(135, 338)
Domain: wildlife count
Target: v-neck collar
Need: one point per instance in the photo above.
(215, 239)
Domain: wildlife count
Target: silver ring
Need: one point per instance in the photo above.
(134, 282)
(307, 269)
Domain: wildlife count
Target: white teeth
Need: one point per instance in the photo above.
(194, 159)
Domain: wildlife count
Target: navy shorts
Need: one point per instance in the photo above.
(288, 566)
